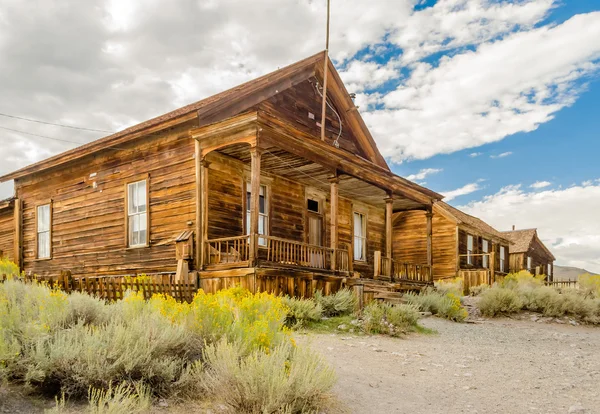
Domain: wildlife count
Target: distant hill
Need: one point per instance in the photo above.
(568, 273)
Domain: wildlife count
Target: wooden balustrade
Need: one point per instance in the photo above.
(342, 259)
(228, 250)
(294, 253)
(398, 271)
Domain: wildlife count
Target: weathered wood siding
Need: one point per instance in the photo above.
(297, 103)
(7, 233)
(88, 218)
(539, 260)
(410, 241)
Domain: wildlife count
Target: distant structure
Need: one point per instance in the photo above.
(527, 252)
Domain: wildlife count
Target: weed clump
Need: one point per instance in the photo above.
(445, 305)
(343, 302)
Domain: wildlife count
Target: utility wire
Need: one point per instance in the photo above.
(51, 123)
(42, 136)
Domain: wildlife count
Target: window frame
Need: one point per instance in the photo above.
(470, 252)
(145, 179)
(364, 237)
(49, 231)
(262, 242)
(529, 263)
(502, 258)
(485, 248)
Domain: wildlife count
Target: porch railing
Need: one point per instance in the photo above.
(236, 251)
(401, 271)
(228, 250)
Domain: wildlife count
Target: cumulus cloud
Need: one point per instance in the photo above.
(502, 155)
(480, 96)
(540, 184)
(422, 174)
(566, 221)
(464, 190)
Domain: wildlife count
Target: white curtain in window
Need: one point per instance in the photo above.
(359, 236)
(137, 212)
(43, 231)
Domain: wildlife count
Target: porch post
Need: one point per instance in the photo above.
(429, 216)
(333, 220)
(201, 207)
(255, 154)
(389, 211)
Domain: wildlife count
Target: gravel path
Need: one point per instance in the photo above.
(498, 366)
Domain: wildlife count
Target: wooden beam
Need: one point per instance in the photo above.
(334, 183)
(18, 242)
(255, 154)
(201, 206)
(389, 212)
(429, 216)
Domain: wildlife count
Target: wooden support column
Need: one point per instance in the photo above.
(18, 242)
(201, 207)
(333, 220)
(255, 154)
(429, 216)
(389, 211)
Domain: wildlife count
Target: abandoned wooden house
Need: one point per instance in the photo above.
(528, 252)
(463, 245)
(241, 187)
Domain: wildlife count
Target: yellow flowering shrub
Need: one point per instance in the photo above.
(590, 284)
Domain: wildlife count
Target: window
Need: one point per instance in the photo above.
(43, 232)
(137, 214)
(360, 237)
(529, 263)
(263, 216)
(469, 249)
(549, 269)
(502, 258)
(485, 246)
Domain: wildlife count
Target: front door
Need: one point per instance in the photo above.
(315, 231)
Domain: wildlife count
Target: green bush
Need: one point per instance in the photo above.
(478, 290)
(454, 286)
(75, 344)
(301, 311)
(343, 302)
(590, 284)
(522, 279)
(124, 398)
(286, 380)
(393, 320)
(443, 305)
(499, 300)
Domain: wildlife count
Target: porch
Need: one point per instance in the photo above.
(301, 205)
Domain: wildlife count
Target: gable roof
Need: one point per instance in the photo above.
(226, 104)
(460, 217)
(523, 239)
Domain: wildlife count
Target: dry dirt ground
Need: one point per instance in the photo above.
(496, 366)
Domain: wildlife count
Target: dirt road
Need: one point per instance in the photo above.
(498, 366)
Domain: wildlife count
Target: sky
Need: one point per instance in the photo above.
(494, 104)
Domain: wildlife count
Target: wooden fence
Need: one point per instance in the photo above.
(563, 283)
(113, 288)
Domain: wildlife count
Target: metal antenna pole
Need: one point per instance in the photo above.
(325, 70)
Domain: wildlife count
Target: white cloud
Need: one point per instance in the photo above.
(540, 184)
(464, 190)
(475, 154)
(566, 219)
(502, 155)
(480, 96)
(422, 174)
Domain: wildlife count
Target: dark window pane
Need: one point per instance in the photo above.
(313, 205)
(248, 198)
(262, 205)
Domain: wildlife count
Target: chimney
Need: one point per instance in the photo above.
(513, 227)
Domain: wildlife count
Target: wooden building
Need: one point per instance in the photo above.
(240, 187)
(7, 229)
(527, 252)
(463, 245)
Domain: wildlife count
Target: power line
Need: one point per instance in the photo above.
(41, 136)
(51, 123)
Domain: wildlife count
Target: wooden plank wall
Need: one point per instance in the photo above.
(410, 241)
(88, 226)
(472, 278)
(7, 233)
(297, 102)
